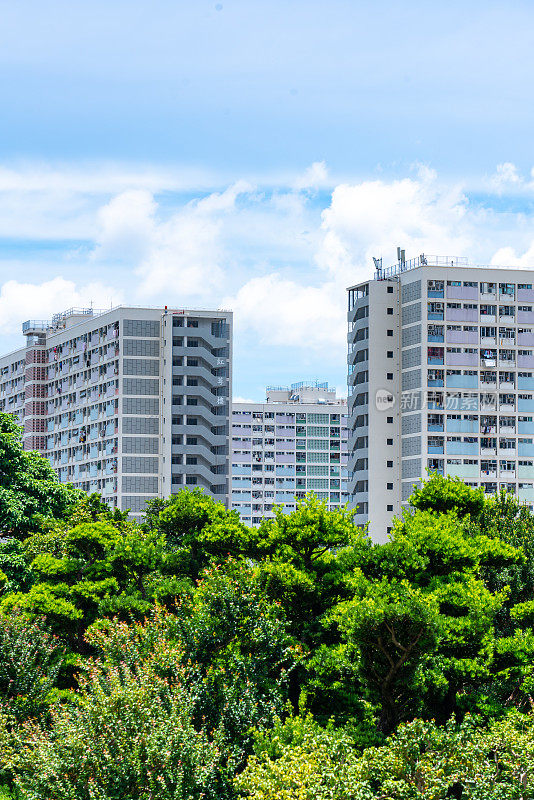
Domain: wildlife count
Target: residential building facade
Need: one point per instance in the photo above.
(294, 443)
(133, 403)
(441, 378)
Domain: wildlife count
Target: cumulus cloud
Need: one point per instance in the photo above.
(20, 301)
(373, 217)
(283, 312)
(127, 227)
(508, 257)
(278, 257)
(183, 254)
(363, 219)
(506, 176)
(315, 176)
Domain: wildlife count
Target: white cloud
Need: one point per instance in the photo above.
(276, 257)
(508, 257)
(284, 312)
(506, 176)
(362, 220)
(20, 301)
(183, 254)
(315, 176)
(127, 227)
(373, 217)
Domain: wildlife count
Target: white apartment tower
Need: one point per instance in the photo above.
(441, 378)
(131, 402)
(294, 443)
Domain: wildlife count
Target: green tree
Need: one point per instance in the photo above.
(198, 530)
(305, 560)
(440, 494)
(14, 566)
(91, 570)
(422, 619)
(394, 625)
(29, 487)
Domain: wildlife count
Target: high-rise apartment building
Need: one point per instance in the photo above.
(294, 443)
(130, 402)
(441, 378)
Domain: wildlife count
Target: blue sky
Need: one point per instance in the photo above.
(254, 155)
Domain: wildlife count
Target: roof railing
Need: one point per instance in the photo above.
(422, 260)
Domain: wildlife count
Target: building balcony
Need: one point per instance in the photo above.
(462, 381)
(462, 293)
(462, 315)
(462, 359)
(462, 426)
(462, 337)
(462, 448)
(463, 471)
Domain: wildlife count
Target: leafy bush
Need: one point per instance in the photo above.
(30, 662)
(422, 761)
(128, 735)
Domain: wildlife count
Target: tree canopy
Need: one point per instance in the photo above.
(193, 657)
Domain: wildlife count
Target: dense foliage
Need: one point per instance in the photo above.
(195, 658)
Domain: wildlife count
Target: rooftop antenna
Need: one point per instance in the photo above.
(378, 266)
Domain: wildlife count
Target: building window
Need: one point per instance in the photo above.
(389, 486)
(390, 332)
(389, 441)
(390, 353)
(389, 463)
(390, 419)
(390, 289)
(390, 310)
(390, 508)
(389, 376)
